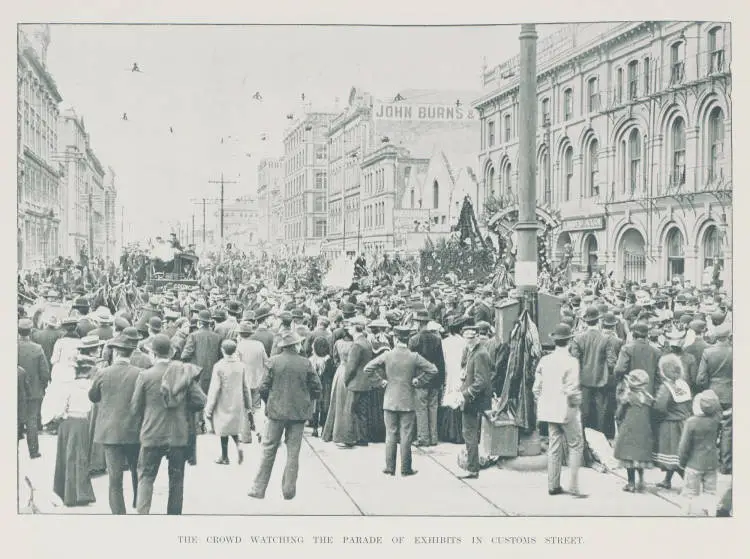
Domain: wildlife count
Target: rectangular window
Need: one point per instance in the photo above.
(507, 128)
(677, 73)
(491, 133)
(633, 80)
(546, 118)
(319, 203)
(568, 104)
(646, 75)
(716, 49)
(618, 86)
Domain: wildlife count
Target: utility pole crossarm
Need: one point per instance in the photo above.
(221, 182)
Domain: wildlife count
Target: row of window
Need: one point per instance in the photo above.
(348, 140)
(374, 215)
(374, 182)
(295, 186)
(293, 230)
(39, 188)
(38, 246)
(293, 208)
(630, 162)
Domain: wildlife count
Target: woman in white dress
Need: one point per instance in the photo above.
(449, 414)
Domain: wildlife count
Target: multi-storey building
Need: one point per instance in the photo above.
(368, 139)
(306, 181)
(111, 221)
(83, 190)
(38, 187)
(633, 145)
(270, 179)
(240, 223)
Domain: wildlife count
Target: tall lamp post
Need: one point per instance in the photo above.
(526, 264)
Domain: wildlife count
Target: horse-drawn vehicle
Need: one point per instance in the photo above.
(179, 273)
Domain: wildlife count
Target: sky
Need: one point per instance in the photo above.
(200, 81)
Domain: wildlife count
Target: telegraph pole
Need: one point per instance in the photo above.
(192, 236)
(221, 182)
(526, 265)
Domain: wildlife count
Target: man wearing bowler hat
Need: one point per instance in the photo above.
(203, 348)
(558, 396)
(400, 371)
(429, 345)
(289, 389)
(117, 427)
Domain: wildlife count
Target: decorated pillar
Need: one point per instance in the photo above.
(526, 265)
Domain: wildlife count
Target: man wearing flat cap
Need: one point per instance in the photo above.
(289, 389)
(638, 354)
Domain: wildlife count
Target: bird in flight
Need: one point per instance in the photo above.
(135, 67)
(290, 116)
(171, 130)
(248, 155)
(458, 103)
(303, 96)
(124, 116)
(258, 96)
(398, 97)
(264, 137)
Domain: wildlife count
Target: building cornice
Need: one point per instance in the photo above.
(617, 35)
(41, 162)
(30, 54)
(347, 117)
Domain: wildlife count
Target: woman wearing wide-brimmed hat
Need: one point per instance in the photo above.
(72, 481)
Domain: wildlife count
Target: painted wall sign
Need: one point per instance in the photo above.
(583, 224)
(435, 113)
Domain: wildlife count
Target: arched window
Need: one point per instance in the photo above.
(435, 194)
(635, 159)
(544, 176)
(568, 172)
(712, 249)
(677, 57)
(593, 168)
(675, 253)
(716, 49)
(568, 104)
(491, 181)
(715, 143)
(678, 152)
(506, 180)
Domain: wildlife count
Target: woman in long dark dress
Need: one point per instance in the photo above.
(72, 481)
(91, 346)
(375, 419)
(339, 426)
(324, 367)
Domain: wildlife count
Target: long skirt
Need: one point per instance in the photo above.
(325, 398)
(72, 482)
(375, 419)
(97, 462)
(668, 435)
(340, 427)
(450, 425)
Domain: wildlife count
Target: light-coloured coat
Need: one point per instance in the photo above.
(228, 396)
(557, 386)
(253, 354)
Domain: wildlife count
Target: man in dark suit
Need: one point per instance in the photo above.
(117, 428)
(262, 332)
(356, 380)
(638, 354)
(590, 348)
(715, 373)
(48, 336)
(612, 351)
(475, 390)
(429, 345)
(289, 389)
(400, 371)
(166, 400)
(699, 344)
(31, 359)
(203, 348)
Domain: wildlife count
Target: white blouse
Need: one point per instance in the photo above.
(69, 399)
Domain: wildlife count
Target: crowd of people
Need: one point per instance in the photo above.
(253, 359)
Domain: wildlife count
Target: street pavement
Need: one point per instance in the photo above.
(335, 481)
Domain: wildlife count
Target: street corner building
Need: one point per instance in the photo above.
(633, 146)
